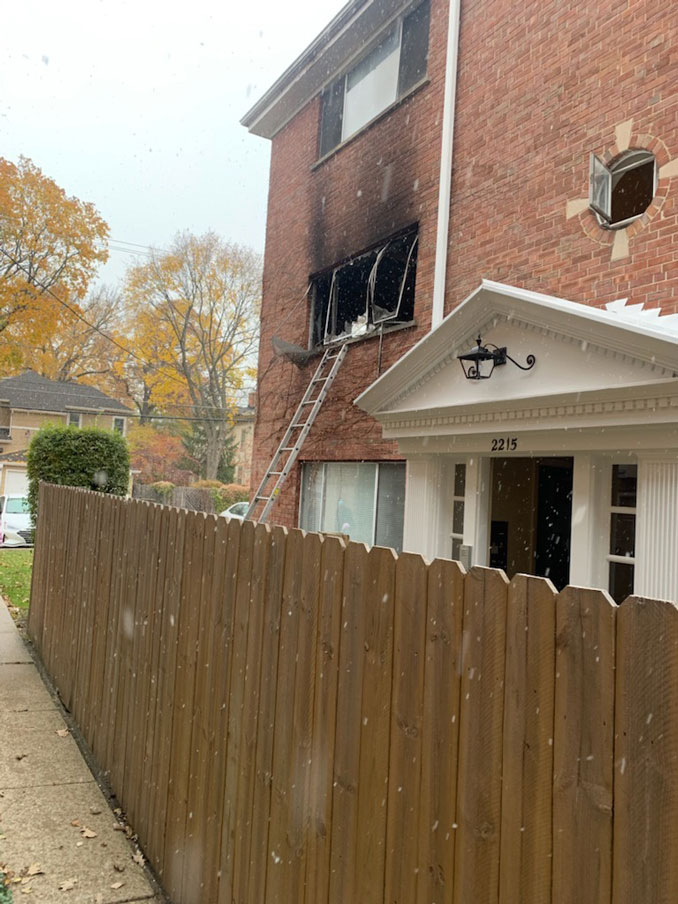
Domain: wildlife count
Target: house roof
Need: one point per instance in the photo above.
(631, 331)
(31, 392)
(335, 46)
(18, 455)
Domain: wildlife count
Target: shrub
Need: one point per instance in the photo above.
(163, 490)
(224, 494)
(70, 456)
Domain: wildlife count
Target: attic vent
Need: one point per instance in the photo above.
(621, 191)
(373, 288)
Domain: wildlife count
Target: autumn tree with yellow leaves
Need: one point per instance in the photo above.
(50, 245)
(192, 316)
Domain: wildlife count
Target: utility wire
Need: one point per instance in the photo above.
(93, 326)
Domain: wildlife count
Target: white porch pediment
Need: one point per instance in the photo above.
(588, 361)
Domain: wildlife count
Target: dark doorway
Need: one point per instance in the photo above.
(531, 517)
(554, 521)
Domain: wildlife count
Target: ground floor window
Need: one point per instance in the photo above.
(365, 500)
(622, 548)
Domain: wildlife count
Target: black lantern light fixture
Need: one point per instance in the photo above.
(480, 362)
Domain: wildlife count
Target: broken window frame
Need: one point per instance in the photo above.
(603, 180)
(413, 35)
(327, 331)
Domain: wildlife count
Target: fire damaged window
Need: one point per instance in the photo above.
(370, 290)
(622, 191)
(395, 65)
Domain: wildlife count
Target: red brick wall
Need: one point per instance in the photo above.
(383, 179)
(541, 85)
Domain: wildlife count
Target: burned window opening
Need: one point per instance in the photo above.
(622, 191)
(371, 289)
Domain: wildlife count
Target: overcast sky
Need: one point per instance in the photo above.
(135, 106)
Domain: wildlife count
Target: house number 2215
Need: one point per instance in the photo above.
(504, 444)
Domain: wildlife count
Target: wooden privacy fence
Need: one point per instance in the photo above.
(291, 719)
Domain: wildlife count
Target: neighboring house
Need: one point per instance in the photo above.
(447, 171)
(29, 401)
(243, 436)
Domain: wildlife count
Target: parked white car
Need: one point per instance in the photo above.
(236, 512)
(15, 521)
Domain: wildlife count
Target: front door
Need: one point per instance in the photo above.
(531, 517)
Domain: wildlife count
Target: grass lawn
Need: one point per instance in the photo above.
(15, 575)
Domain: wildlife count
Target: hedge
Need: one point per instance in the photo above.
(71, 456)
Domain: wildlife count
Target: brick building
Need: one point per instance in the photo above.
(443, 171)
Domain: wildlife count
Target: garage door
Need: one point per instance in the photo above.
(16, 481)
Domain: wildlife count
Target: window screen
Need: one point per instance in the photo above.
(414, 49)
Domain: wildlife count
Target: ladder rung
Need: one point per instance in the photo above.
(287, 448)
(261, 498)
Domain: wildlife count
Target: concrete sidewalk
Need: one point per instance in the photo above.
(58, 835)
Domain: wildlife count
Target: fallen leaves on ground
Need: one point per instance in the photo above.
(88, 833)
(63, 732)
(117, 885)
(68, 884)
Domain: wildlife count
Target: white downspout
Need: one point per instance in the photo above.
(445, 184)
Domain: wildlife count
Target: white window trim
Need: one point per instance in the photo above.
(395, 21)
(453, 534)
(72, 414)
(382, 36)
(598, 170)
(619, 510)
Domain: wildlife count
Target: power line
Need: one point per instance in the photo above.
(97, 329)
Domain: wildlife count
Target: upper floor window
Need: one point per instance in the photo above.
(369, 290)
(74, 418)
(390, 69)
(119, 425)
(621, 191)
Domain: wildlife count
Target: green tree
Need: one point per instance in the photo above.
(195, 458)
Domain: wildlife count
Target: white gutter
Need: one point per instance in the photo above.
(445, 184)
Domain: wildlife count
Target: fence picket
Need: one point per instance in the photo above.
(262, 799)
(440, 732)
(324, 724)
(405, 755)
(223, 589)
(476, 856)
(583, 751)
(344, 884)
(646, 753)
(526, 803)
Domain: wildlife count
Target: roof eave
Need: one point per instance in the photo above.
(576, 319)
(336, 44)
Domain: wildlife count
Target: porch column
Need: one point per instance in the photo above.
(590, 521)
(477, 500)
(424, 496)
(656, 571)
